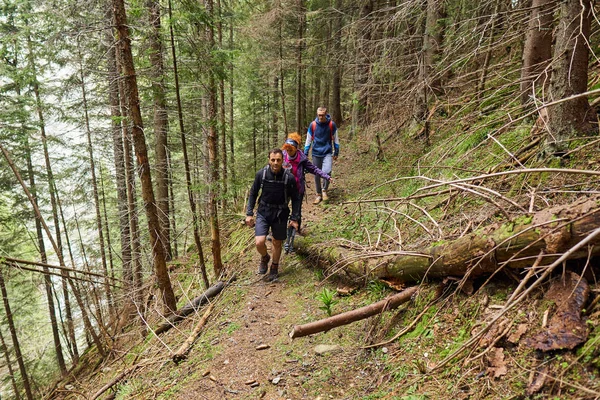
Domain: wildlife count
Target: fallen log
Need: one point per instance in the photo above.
(115, 380)
(354, 315)
(515, 244)
(182, 352)
(192, 307)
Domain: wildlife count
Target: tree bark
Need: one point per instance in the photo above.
(354, 315)
(119, 158)
(42, 250)
(38, 102)
(133, 104)
(11, 373)
(537, 50)
(15, 339)
(94, 181)
(570, 76)
(300, 9)
(222, 124)
(361, 71)
(336, 85)
(161, 124)
(514, 244)
(86, 322)
(186, 162)
(212, 153)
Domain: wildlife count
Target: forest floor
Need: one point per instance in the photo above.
(244, 351)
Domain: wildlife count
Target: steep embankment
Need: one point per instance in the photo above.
(443, 344)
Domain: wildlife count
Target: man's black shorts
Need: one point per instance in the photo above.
(278, 226)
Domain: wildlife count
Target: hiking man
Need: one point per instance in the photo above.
(322, 134)
(276, 186)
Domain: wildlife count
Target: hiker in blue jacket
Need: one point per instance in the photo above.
(322, 135)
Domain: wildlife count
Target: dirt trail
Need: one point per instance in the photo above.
(263, 317)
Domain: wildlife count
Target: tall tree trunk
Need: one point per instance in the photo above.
(570, 76)
(70, 325)
(231, 137)
(434, 36)
(15, 339)
(299, 68)
(281, 73)
(212, 153)
(111, 269)
(107, 290)
(161, 122)
(336, 80)
(119, 158)
(186, 162)
(136, 252)
(11, 373)
(361, 72)
(86, 322)
(133, 104)
(42, 249)
(42, 126)
(537, 50)
(488, 53)
(222, 124)
(275, 111)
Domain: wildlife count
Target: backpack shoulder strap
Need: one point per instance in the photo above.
(313, 127)
(331, 129)
(262, 182)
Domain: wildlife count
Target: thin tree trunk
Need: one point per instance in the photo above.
(15, 339)
(136, 252)
(70, 328)
(95, 298)
(133, 105)
(336, 84)
(186, 162)
(100, 229)
(275, 110)
(537, 50)
(172, 212)
(212, 155)
(87, 324)
(50, 175)
(111, 269)
(119, 159)
(161, 122)
(11, 373)
(222, 124)
(488, 53)
(361, 72)
(42, 249)
(299, 69)
(231, 136)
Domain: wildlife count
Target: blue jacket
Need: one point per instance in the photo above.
(324, 140)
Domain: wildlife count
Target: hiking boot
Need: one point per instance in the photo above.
(274, 273)
(325, 197)
(317, 200)
(264, 264)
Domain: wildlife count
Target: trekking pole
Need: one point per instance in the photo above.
(289, 242)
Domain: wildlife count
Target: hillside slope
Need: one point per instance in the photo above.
(244, 350)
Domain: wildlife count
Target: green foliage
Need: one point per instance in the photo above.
(326, 297)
